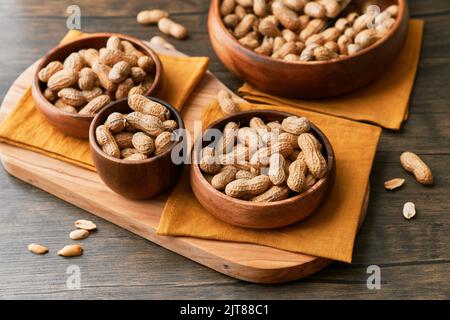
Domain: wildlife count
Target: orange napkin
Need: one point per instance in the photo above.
(384, 102)
(26, 128)
(330, 232)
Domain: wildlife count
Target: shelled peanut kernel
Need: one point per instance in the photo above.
(87, 80)
(263, 162)
(286, 29)
(144, 133)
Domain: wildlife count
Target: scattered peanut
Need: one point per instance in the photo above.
(226, 103)
(37, 248)
(409, 210)
(411, 162)
(79, 234)
(169, 27)
(394, 183)
(71, 251)
(160, 41)
(85, 225)
(151, 16)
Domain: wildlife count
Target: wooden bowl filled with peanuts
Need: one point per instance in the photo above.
(262, 169)
(308, 49)
(74, 81)
(131, 143)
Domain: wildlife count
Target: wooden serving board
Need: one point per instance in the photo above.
(84, 189)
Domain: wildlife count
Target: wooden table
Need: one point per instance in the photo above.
(414, 256)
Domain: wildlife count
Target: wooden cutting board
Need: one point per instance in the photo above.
(84, 189)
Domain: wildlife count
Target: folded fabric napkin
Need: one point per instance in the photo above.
(26, 128)
(329, 232)
(384, 102)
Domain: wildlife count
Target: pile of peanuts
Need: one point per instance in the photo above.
(296, 30)
(90, 79)
(141, 134)
(264, 162)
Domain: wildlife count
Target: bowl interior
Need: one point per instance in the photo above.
(123, 107)
(96, 41)
(243, 119)
(355, 4)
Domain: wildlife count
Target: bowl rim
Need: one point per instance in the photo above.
(330, 161)
(94, 144)
(258, 56)
(45, 60)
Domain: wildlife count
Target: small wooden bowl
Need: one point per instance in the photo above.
(140, 179)
(77, 125)
(311, 80)
(262, 215)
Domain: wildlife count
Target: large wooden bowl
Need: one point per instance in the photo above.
(261, 215)
(316, 79)
(134, 179)
(72, 124)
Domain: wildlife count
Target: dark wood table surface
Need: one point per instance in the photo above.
(414, 256)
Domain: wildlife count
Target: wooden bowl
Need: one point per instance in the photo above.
(315, 79)
(77, 125)
(134, 179)
(261, 215)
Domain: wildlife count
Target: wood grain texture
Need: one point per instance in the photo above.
(413, 255)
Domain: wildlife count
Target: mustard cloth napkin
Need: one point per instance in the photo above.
(26, 128)
(329, 232)
(385, 102)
